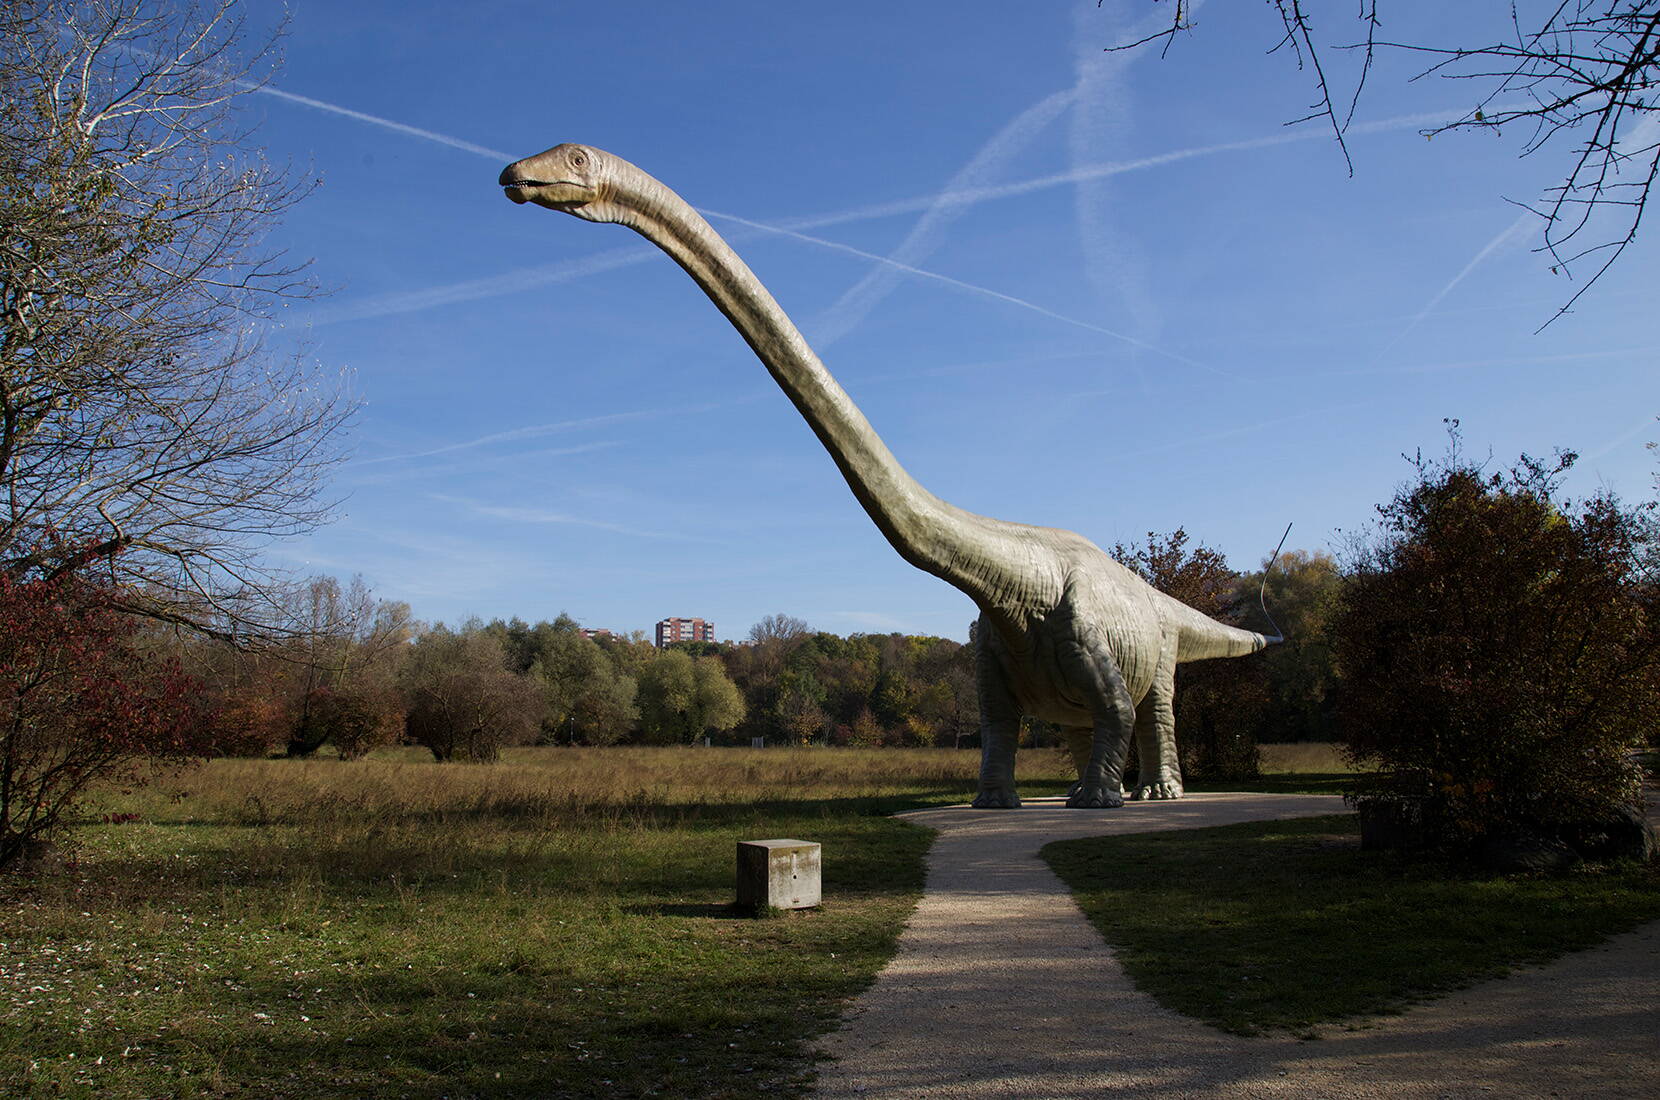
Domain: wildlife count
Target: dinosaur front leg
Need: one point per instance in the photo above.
(1155, 734)
(999, 731)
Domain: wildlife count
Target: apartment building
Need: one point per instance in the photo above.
(670, 631)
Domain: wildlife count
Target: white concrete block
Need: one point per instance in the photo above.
(779, 874)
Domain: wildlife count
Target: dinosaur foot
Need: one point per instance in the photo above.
(1093, 798)
(997, 799)
(1149, 792)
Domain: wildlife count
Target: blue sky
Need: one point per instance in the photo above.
(1096, 291)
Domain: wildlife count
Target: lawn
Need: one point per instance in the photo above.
(558, 925)
(554, 925)
(1289, 925)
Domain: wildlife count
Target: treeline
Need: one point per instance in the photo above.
(363, 673)
(1490, 649)
(369, 675)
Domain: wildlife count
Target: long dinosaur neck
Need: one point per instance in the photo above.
(939, 538)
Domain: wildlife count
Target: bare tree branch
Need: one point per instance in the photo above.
(1587, 72)
(142, 419)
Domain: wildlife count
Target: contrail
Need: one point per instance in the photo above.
(533, 430)
(475, 465)
(1114, 264)
(542, 516)
(1642, 135)
(514, 281)
(1476, 364)
(1246, 429)
(1514, 230)
(1088, 172)
(528, 432)
(858, 300)
(970, 287)
(376, 120)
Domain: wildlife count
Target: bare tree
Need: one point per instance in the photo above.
(350, 647)
(1577, 73)
(144, 427)
(778, 628)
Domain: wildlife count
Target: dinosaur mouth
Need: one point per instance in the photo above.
(560, 194)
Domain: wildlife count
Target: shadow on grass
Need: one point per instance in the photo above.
(1297, 783)
(707, 911)
(1289, 924)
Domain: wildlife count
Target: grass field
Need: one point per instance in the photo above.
(1288, 925)
(558, 925)
(1303, 758)
(554, 925)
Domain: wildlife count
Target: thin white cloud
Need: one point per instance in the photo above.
(512, 282)
(533, 431)
(514, 460)
(542, 516)
(1188, 441)
(1645, 425)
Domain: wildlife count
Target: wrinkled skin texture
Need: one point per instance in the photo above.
(1066, 633)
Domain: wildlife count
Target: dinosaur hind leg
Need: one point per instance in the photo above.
(1155, 735)
(1095, 671)
(1079, 741)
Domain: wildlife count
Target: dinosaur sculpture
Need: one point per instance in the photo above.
(1065, 633)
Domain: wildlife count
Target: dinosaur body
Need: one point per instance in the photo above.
(1066, 633)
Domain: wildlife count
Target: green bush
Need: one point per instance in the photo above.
(1499, 650)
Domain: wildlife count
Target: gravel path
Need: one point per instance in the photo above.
(1000, 987)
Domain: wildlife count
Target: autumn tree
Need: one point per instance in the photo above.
(1500, 650)
(1217, 703)
(143, 423)
(948, 712)
(463, 701)
(797, 714)
(79, 705)
(1302, 685)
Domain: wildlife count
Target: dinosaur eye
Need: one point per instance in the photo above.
(578, 159)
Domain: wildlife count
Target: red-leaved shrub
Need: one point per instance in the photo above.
(78, 705)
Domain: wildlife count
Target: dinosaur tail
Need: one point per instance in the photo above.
(1203, 638)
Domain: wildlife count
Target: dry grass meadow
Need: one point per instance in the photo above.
(555, 925)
